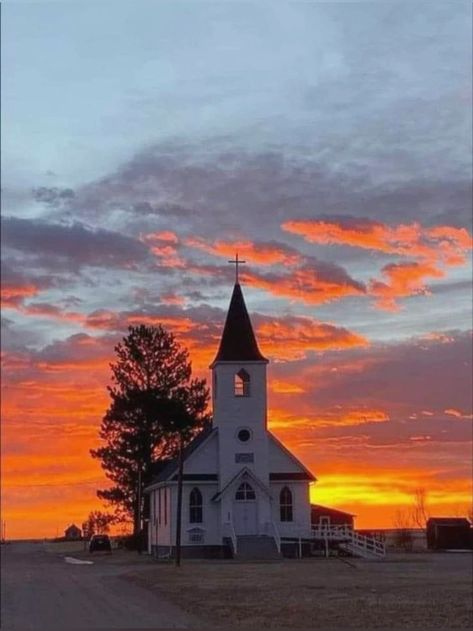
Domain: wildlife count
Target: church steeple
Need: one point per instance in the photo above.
(239, 390)
(238, 343)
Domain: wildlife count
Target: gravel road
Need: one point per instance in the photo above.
(41, 591)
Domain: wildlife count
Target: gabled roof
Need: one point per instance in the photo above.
(170, 468)
(309, 475)
(244, 472)
(326, 509)
(448, 521)
(238, 341)
(290, 475)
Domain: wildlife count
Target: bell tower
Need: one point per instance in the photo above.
(239, 396)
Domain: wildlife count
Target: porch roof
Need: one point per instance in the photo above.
(243, 473)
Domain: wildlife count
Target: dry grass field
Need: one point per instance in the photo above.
(415, 591)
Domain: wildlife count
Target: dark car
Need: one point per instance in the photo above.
(100, 543)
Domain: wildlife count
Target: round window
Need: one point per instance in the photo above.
(244, 435)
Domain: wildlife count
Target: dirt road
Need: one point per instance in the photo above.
(41, 591)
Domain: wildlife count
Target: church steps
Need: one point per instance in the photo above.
(256, 547)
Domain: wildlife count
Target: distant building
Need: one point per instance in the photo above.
(324, 516)
(448, 533)
(73, 533)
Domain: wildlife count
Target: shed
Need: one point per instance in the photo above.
(448, 533)
(72, 533)
(322, 515)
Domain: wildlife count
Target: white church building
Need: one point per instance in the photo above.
(244, 493)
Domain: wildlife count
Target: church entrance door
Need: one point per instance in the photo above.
(245, 516)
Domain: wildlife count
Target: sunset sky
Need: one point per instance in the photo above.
(144, 143)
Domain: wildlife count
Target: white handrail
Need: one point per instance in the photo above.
(361, 543)
(270, 530)
(234, 538)
(277, 537)
(228, 526)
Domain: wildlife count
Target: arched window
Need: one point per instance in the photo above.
(285, 504)
(242, 383)
(245, 492)
(195, 506)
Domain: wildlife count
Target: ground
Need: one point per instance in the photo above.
(41, 591)
(415, 591)
(124, 590)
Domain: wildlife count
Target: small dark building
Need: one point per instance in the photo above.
(73, 533)
(322, 515)
(448, 533)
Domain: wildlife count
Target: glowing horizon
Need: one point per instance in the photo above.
(337, 165)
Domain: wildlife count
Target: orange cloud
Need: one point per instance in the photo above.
(285, 387)
(164, 245)
(164, 235)
(173, 299)
(457, 413)
(445, 243)
(284, 419)
(120, 321)
(260, 253)
(453, 243)
(307, 283)
(168, 257)
(403, 279)
(293, 337)
(12, 294)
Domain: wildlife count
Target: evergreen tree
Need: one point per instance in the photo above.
(155, 404)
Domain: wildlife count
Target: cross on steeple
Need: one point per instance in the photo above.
(237, 262)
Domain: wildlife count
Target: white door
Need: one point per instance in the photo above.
(245, 515)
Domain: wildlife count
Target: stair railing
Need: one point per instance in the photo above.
(270, 530)
(362, 543)
(277, 536)
(232, 535)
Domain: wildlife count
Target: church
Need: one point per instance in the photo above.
(245, 495)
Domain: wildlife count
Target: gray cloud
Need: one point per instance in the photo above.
(72, 245)
(426, 373)
(53, 196)
(221, 189)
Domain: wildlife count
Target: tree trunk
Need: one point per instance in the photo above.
(179, 503)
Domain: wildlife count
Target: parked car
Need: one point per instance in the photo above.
(100, 543)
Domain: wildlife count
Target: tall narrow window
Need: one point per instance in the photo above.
(285, 504)
(242, 383)
(159, 507)
(195, 506)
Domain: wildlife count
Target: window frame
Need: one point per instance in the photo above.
(244, 429)
(196, 508)
(241, 384)
(245, 493)
(286, 505)
(196, 536)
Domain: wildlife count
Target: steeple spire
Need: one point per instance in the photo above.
(238, 341)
